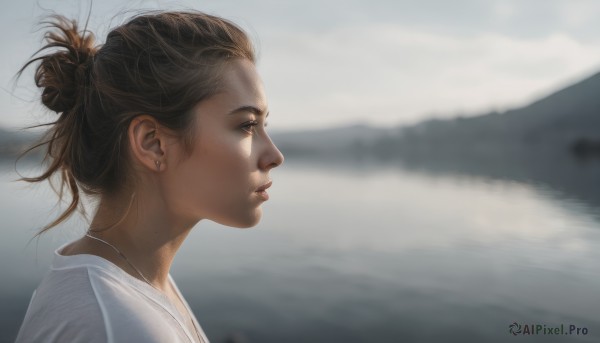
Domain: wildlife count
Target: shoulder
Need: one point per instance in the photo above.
(63, 308)
(89, 304)
(131, 313)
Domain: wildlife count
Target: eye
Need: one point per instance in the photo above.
(249, 125)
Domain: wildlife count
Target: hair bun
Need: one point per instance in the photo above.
(62, 74)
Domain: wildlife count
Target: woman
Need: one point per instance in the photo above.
(165, 124)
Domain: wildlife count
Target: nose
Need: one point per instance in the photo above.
(271, 157)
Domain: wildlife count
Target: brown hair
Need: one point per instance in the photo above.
(158, 63)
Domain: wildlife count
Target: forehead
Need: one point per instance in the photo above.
(242, 85)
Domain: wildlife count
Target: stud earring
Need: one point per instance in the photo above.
(157, 165)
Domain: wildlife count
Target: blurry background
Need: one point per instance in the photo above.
(441, 181)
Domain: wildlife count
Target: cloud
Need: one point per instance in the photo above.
(385, 61)
(387, 73)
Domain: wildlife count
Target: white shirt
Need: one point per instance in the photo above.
(86, 298)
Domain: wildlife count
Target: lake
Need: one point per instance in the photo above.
(364, 251)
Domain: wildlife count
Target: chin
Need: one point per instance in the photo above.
(243, 222)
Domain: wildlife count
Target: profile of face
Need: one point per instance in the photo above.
(232, 155)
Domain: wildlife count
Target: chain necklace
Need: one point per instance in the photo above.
(146, 280)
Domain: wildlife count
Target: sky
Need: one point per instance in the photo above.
(378, 62)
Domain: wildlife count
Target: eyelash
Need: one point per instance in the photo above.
(252, 124)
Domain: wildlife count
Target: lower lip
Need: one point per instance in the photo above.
(263, 194)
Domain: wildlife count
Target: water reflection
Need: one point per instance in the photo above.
(392, 209)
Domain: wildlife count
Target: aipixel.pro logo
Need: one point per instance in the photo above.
(516, 329)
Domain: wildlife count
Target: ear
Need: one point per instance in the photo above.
(147, 142)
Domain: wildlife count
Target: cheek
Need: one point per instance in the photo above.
(227, 162)
(216, 179)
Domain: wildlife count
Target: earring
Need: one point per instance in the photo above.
(157, 165)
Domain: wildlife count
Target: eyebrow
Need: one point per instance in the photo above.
(248, 108)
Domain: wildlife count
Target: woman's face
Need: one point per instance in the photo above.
(232, 155)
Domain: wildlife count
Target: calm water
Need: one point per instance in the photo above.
(362, 252)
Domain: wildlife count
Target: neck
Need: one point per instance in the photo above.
(149, 239)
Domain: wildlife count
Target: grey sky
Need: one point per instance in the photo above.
(380, 62)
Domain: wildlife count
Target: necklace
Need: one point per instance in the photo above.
(146, 280)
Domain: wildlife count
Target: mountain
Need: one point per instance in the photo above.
(13, 142)
(567, 121)
(328, 141)
(553, 124)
